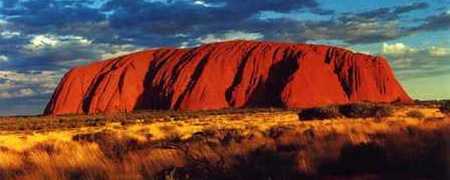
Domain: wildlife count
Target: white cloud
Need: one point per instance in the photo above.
(227, 36)
(184, 45)
(400, 49)
(9, 34)
(6, 85)
(364, 52)
(181, 35)
(202, 3)
(397, 49)
(439, 51)
(5, 95)
(31, 76)
(118, 50)
(21, 84)
(73, 50)
(404, 62)
(416, 62)
(42, 41)
(26, 92)
(230, 35)
(3, 58)
(206, 4)
(78, 39)
(45, 41)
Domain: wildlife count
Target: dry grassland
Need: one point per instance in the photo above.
(259, 144)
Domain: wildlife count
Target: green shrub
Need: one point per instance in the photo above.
(362, 110)
(445, 107)
(326, 112)
(415, 114)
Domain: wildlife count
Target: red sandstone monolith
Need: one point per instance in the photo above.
(234, 74)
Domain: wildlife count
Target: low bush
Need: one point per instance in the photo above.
(362, 110)
(348, 110)
(445, 107)
(415, 114)
(326, 112)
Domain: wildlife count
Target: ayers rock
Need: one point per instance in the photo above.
(230, 74)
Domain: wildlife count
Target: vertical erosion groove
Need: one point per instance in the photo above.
(239, 75)
(341, 69)
(194, 79)
(152, 97)
(268, 93)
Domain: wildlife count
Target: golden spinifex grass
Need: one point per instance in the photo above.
(245, 145)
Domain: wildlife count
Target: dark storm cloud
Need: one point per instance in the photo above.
(377, 13)
(321, 11)
(141, 22)
(159, 23)
(187, 17)
(386, 13)
(44, 16)
(370, 26)
(354, 31)
(170, 23)
(436, 22)
(9, 3)
(411, 7)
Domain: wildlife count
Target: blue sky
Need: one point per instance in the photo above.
(41, 39)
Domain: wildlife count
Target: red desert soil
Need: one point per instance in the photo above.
(230, 74)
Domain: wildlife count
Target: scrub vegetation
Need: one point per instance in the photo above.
(348, 142)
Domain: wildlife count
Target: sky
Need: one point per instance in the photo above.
(40, 40)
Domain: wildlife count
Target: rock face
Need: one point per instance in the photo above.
(223, 75)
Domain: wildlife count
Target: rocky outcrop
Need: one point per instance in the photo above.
(229, 74)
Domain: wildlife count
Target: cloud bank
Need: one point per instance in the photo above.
(41, 39)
